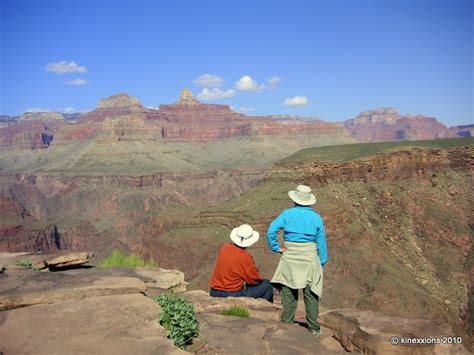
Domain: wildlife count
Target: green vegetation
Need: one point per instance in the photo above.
(24, 263)
(118, 259)
(236, 311)
(178, 317)
(347, 152)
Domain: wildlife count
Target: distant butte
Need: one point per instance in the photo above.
(186, 97)
(119, 100)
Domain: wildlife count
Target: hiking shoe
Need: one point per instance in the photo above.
(317, 333)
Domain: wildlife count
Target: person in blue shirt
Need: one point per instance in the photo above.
(303, 256)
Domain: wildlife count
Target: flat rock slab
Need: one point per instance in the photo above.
(371, 333)
(25, 287)
(233, 335)
(56, 293)
(118, 324)
(53, 261)
(57, 262)
(163, 279)
(258, 308)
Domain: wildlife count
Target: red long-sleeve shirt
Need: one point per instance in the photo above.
(234, 267)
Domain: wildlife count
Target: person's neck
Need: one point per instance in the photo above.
(238, 246)
(296, 205)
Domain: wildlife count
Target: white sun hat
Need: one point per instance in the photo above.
(302, 195)
(244, 236)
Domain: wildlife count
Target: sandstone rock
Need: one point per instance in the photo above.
(186, 98)
(233, 335)
(54, 262)
(119, 100)
(26, 287)
(364, 331)
(162, 279)
(258, 308)
(118, 324)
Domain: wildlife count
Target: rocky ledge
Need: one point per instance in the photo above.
(94, 310)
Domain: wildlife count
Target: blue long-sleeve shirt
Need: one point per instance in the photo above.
(300, 224)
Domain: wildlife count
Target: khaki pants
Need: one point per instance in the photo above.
(289, 300)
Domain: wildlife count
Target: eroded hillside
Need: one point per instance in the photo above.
(398, 220)
(399, 230)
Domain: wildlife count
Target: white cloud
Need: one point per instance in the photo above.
(246, 83)
(153, 107)
(272, 83)
(38, 109)
(70, 110)
(77, 82)
(296, 101)
(64, 67)
(209, 81)
(215, 94)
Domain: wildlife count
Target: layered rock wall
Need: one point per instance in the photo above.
(29, 135)
(383, 167)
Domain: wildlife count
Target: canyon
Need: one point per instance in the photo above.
(398, 226)
(170, 183)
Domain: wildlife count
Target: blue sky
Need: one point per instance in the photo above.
(329, 59)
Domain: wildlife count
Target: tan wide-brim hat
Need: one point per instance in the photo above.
(244, 236)
(302, 195)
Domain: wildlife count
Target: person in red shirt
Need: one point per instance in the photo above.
(236, 274)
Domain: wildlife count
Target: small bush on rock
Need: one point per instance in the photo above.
(118, 259)
(178, 317)
(236, 311)
(24, 263)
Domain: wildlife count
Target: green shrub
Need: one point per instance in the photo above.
(24, 263)
(236, 311)
(177, 316)
(118, 259)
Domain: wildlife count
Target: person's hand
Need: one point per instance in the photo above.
(282, 250)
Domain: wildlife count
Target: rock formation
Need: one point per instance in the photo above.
(121, 100)
(462, 131)
(41, 116)
(114, 106)
(386, 124)
(6, 121)
(122, 117)
(29, 134)
(186, 97)
(404, 164)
